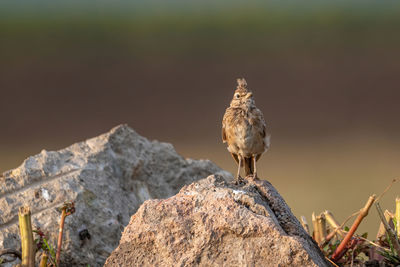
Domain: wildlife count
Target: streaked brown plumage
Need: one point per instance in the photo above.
(244, 130)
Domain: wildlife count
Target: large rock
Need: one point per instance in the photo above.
(107, 177)
(215, 223)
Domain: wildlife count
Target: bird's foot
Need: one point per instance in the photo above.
(239, 180)
(252, 177)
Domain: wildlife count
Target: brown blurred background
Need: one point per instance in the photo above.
(326, 76)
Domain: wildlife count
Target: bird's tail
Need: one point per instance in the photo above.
(248, 167)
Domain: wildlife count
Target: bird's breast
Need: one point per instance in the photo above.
(244, 137)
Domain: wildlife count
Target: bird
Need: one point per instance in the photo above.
(245, 130)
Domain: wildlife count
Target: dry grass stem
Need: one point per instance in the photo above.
(334, 264)
(382, 230)
(321, 224)
(348, 218)
(316, 234)
(43, 260)
(397, 216)
(389, 230)
(305, 224)
(330, 219)
(339, 230)
(386, 189)
(372, 243)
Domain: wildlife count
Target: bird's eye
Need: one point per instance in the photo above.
(237, 96)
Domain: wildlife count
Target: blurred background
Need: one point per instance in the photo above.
(325, 75)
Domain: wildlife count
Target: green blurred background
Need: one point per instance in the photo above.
(325, 74)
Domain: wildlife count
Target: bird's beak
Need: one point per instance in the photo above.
(248, 95)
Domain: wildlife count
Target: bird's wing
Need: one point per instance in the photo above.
(263, 128)
(224, 122)
(259, 122)
(223, 134)
(223, 130)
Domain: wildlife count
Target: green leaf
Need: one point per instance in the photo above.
(50, 249)
(365, 235)
(391, 245)
(389, 257)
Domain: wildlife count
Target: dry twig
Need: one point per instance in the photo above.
(386, 189)
(341, 249)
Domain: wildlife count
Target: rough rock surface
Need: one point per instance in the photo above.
(215, 223)
(107, 177)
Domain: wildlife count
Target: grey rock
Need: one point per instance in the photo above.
(107, 177)
(215, 223)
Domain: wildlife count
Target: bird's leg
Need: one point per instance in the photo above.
(238, 172)
(255, 168)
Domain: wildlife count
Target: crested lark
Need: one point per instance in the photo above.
(244, 130)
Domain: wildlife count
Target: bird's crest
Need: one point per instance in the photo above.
(242, 84)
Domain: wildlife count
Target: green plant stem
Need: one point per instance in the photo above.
(27, 243)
